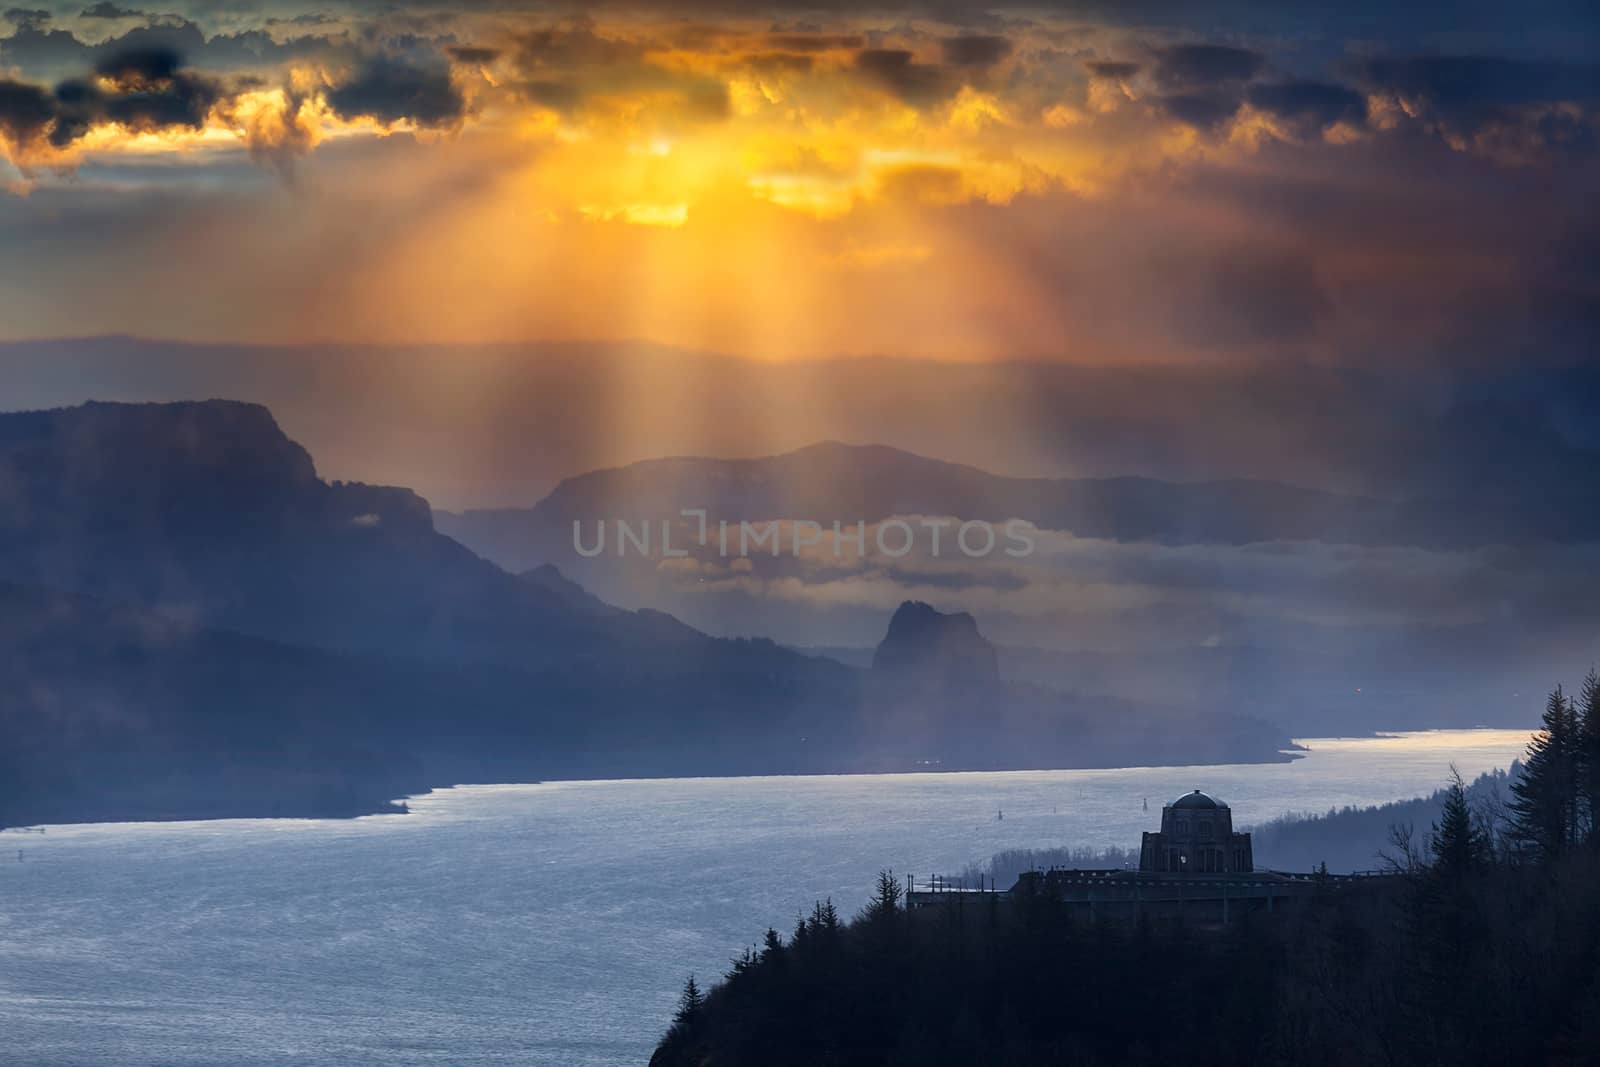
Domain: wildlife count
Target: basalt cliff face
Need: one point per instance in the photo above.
(945, 649)
(199, 625)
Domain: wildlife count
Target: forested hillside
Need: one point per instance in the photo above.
(1487, 952)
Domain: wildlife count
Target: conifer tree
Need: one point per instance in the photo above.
(1545, 797)
(886, 901)
(1458, 843)
(1588, 744)
(802, 935)
(690, 1003)
(824, 918)
(741, 963)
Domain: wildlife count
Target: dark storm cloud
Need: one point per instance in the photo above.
(141, 65)
(26, 112)
(780, 62)
(1112, 69)
(143, 90)
(1205, 85)
(975, 50)
(27, 18)
(152, 91)
(52, 54)
(389, 90)
(472, 54)
(1315, 104)
(899, 72)
(107, 10)
(815, 42)
(896, 71)
(1198, 66)
(1203, 111)
(1464, 83)
(1515, 110)
(1301, 20)
(307, 19)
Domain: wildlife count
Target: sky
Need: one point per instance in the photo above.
(1090, 183)
(477, 248)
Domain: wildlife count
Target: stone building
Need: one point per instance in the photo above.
(1196, 837)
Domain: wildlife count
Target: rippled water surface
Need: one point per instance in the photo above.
(536, 924)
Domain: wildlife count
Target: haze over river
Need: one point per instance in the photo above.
(537, 924)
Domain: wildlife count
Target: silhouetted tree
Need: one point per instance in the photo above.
(1588, 746)
(690, 1004)
(801, 939)
(1401, 855)
(1466, 961)
(1458, 845)
(885, 902)
(1545, 797)
(742, 963)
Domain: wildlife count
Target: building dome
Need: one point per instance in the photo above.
(1198, 799)
(1196, 837)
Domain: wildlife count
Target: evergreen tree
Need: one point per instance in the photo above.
(1545, 797)
(1495, 966)
(886, 901)
(1458, 844)
(824, 918)
(1588, 728)
(741, 963)
(690, 1004)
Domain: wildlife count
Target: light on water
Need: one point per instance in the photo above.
(544, 924)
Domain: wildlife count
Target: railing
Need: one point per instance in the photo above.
(1131, 880)
(1314, 876)
(942, 883)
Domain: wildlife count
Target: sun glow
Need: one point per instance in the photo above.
(884, 187)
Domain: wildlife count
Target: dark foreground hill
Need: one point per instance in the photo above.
(1480, 946)
(1492, 967)
(198, 624)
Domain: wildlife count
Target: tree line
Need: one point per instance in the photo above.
(1557, 800)
(1486, 950)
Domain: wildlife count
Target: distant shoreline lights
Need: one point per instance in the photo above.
(895, 538)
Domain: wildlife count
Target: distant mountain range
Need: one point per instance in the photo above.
(199, 625)
(1322, 611)
(831, 481)
(501, 424)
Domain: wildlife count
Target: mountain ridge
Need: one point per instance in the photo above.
(831, 480)
(382, 657)
(504, 423)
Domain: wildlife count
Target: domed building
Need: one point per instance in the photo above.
(1196, 837)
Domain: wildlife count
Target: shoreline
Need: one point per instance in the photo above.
(1301, 746)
